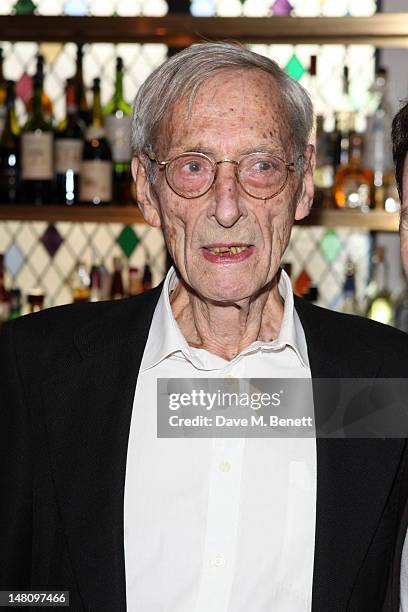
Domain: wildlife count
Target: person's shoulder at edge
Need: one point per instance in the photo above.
(354, 330)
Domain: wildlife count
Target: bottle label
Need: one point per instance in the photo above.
(96, 181)
(68, 155)
(119, 132)
(37, 156)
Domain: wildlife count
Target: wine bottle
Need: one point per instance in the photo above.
(37, 151)
(69, 141)
(46, 103)
(3, 95)
(147, 278)
(82, 101)
(10, 152)
(118, 126)
(96, 166)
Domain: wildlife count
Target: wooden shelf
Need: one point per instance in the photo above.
(372, 221)
(179, 30)
(83, 214)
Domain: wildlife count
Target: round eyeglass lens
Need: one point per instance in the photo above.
(190, 175)
(262, 175)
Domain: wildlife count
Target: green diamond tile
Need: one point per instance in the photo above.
(294, 68)
(128, 240)
(330, 245)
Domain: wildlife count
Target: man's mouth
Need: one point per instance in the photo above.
(231, 250)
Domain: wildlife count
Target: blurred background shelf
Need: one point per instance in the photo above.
(372, 221)
(180, 30)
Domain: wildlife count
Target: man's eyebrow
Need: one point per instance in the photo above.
(271, 148)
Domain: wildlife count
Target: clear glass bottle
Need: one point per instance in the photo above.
(350, 303)
(379, 303)
(80, 283)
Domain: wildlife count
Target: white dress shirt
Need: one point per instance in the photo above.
(218, 524)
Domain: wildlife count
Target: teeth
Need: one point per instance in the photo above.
(234, 250)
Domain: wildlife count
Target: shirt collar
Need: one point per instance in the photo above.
(165, 337)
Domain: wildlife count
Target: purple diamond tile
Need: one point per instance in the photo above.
(281, 8)
(14, 259)
(51, 240)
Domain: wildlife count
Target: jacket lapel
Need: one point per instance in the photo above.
(354, 476)
(87, 413)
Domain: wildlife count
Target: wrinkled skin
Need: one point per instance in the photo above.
(404, 219)
(224, 307)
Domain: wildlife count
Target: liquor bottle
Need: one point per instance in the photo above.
(135, 282)
(82, 101)
(117, 291)
(96, 167)
(46, 103)
(353, 183)
(95, 284)
(378, 152)
(324, 173)
(302, 283)
(80, 283)
(35, 300)
(24, 7)
(312, 295)
(3, 95)
(15, 303)
(379, 307)
(147, 278)
(37, 168)
(118, 126)
(10, 152)
(4, 295)
(350, 304)
(69, 142)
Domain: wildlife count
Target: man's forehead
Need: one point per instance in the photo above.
(246, 98)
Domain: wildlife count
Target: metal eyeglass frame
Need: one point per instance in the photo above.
(164, 164)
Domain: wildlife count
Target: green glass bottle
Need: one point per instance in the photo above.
(10, 152)
(118, 126)
(96, 167)
(37, 144)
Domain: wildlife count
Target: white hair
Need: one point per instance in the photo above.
(185, 72)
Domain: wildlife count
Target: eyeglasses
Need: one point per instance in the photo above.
(191, 175)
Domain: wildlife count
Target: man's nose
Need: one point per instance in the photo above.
(226, 190)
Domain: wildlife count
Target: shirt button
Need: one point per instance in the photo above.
(219, 560)
(225, 466)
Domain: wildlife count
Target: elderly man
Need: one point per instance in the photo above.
(92, 500)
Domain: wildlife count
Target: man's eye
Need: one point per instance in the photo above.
(193, 167)
(264, 166)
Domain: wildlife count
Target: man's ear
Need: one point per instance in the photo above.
(146, 199)
(306, 199)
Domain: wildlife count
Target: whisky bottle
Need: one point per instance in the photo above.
(379, 303)
(96, 167)
(68, 150)
(118, 126)
(80, 284)
(10, 152)
(353, 183)
(37, 167)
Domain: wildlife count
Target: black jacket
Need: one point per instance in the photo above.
(68, 378)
